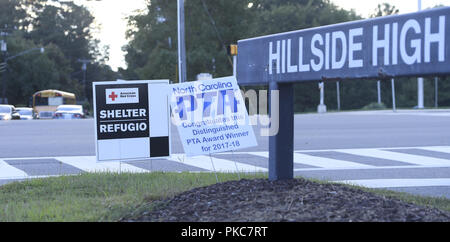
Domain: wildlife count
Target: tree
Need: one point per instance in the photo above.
(13, 15)
(384, 9)
(65, 30)
(150, 34)
(36, 71)
(210, 27)
(67, 26)
(273, 16)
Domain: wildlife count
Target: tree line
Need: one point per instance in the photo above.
(65, 31)
(212, 25)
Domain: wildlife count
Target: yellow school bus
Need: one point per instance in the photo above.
(45, 102)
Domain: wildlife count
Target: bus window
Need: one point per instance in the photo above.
(40, 101)
(55, 101)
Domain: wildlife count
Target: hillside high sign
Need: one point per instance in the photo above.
(416, 44)
(399, 45)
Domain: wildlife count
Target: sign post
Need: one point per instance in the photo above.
(379, 92)
(181, 42)
(131, 120)
(394, 105)
(338, 95)
(415, 44)
(281, 145)
(322, 108)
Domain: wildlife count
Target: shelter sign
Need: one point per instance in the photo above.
(131, 120)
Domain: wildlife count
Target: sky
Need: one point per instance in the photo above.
(111, 16)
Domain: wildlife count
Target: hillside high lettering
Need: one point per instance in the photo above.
(335, 50)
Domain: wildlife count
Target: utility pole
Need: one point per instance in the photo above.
(338, 95)
(181, 43)
(420, 102)
(322, 108)
(394, 105)
(3, 70)
(233, 51)
(379, 92)
(436, 92)
(84, 68)
(4, 65)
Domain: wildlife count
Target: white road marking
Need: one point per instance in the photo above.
(407, 158)
(30, 177)
(390, 183)
(437, 113)
(220, 165)
(89, 164)
(31, 158)
(328, 163)
(444, 149)
(320, 162)
(371, 168)
(8, 171)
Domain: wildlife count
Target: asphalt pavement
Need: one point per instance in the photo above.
(406, 151)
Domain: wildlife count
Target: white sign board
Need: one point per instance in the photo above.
(211, 116)
(55, 101)
(131, 120)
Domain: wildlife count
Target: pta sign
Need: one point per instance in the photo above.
(414, 44)
(211, 116)
(131, 120)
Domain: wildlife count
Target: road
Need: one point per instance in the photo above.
(405, 151)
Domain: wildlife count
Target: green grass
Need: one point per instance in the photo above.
(110, 197)
(96, 197)
(436, 202)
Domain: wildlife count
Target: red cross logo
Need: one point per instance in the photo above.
(113, 96)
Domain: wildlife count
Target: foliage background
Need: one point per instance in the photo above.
(211, 25)
(65, 30)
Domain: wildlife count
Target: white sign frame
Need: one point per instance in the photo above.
(164, 85)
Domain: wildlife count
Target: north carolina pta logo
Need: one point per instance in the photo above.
(122, 95)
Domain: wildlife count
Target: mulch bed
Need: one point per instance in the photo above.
(291, 200)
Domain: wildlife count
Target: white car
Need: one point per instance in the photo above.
(69, 112)
(26, 113)
(8, 112)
